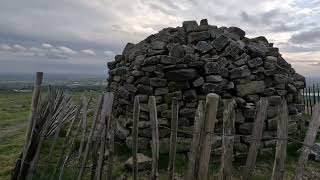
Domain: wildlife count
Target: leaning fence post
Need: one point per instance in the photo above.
(136, 114)
(227, 139)
(31, 123)
(261, 115)
(173, 138)
(207, 134)
(155, 137)
(194, 151)
(281, 150)
(308, 142)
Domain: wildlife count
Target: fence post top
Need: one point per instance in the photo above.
(212, 96)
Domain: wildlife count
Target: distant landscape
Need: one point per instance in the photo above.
(73, 82)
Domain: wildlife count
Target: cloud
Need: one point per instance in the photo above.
(67, 50)
(309, 36)
(88, 52)
(5, 47)
(46, 45)
(19, 48)
(108, 53)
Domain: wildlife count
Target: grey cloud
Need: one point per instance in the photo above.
(310, 36)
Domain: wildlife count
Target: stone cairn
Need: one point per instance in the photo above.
(191, 61)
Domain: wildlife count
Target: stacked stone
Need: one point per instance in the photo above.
(191, 61)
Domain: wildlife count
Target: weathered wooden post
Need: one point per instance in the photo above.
(261, 115)
(308, 142)
(110, 149)
(227, 139)
(89, 141)
(281, 149)
(195, 145)
(136, 114)
(207, 135)
(173, 138)
(155, 137)
(31, 123)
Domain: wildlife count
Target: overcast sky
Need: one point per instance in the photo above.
(80, 36)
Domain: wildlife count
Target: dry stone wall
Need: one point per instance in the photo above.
(191, 61)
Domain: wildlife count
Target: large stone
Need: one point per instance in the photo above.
(190, 95)
(144, 162)
(189, 26)
(211, 88)
(255, 62)
(211, 68)
(252, 87)
(168, 97)
(153, 60)
(181, 74)
(198, 82)
(170, 60)
(213, 78)
(237, 31)
(240, 72)
(177, 51)
(158, 82)
(281, 79)
(203, 46)
(143, 89)
(315, 152)
(221, 42)
(158, 45)
(161, 91)
(198, 36)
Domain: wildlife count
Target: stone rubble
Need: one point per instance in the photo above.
(191, 61)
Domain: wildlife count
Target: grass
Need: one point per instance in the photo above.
(14, 111)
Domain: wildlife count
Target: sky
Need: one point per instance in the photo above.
(80, 36)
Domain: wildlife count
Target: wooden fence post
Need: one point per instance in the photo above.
(261, 114)
(308, 142)
(227, 139)
(207, 135)
(101, 153)
(89, 141)
(110, 148)
(310, 101)
(194, 151)
(155, 137)
(173, 138)
(136, 114)
(281, 149)
(31, 123)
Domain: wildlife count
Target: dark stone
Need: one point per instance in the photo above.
(153, 60)
(143, 89)
(221, 42)
(204, 22)
(281, 79)
(189, 25)
(158, 45)
(170, 60)
(203, 46)
(198, 36)
(213, 78)
(232, 49)
(158, 82)
(211, 68)
(198, 82)
(237, 31)
(168, 97)
(240, 72)
(211, 88)
(187, 112)
(255, 50)
(177, 51)
(179, 85)
(252, 87)
(181, 74)
(161, 91)
(255, 62)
